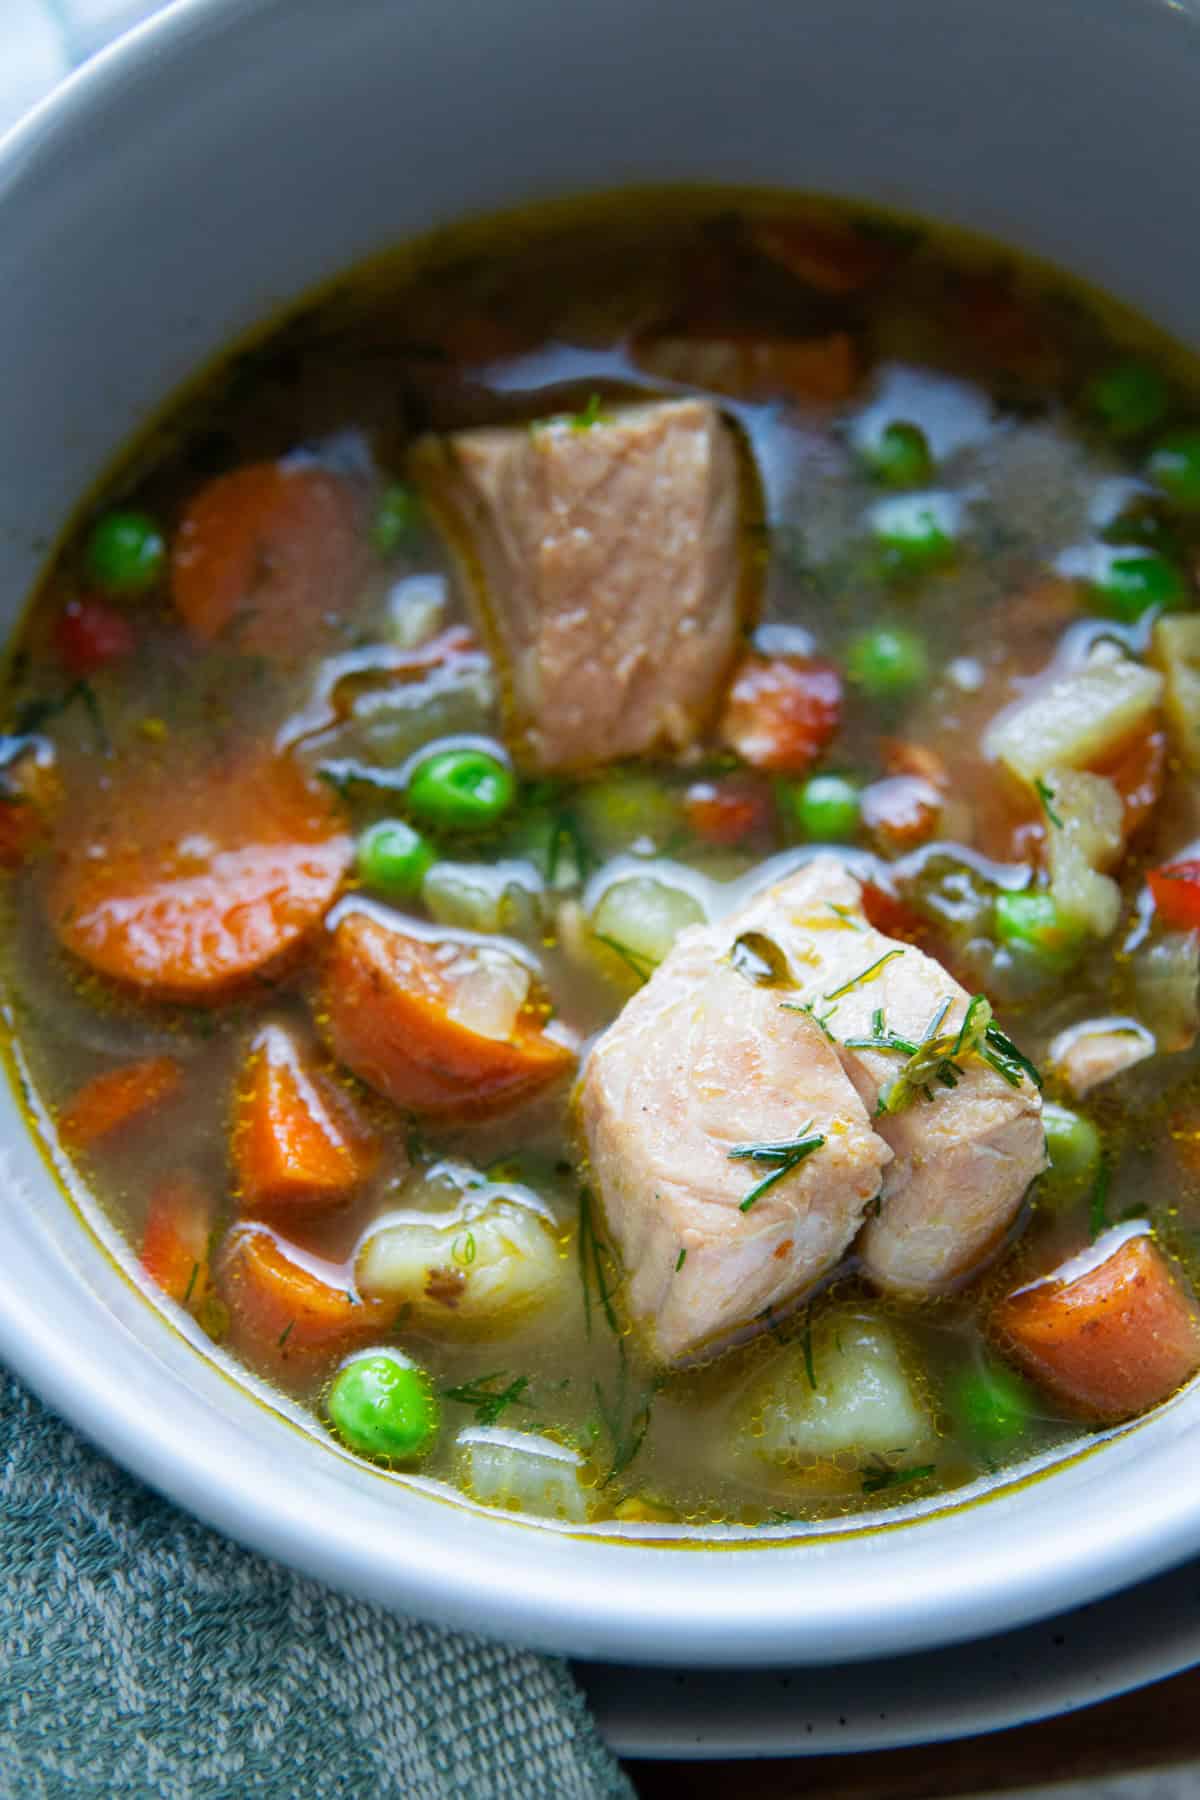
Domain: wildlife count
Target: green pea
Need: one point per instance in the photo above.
(992, 1404)
(1174, 466)
(384, 1405)
(1128, 583)
(461, 790)
(1030, 925)
(393, 858)
(899, 456)
(126, 552)
(824, 809)
(397, 518)
(888, 662)
(1073, 1145)
(1127, 398)
(915, 532)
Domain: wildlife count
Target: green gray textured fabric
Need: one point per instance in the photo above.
(142, 1655)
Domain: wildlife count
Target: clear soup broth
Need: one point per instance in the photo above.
(345, 812)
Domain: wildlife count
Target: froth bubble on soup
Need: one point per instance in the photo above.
(602, 857)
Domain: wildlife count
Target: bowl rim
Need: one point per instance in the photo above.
(615, 1601)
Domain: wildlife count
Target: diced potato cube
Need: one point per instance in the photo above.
(639, 917)
(493, 1258)
(862, 1407)
(1085, 840)
(1175, 648)
(526, 1473)
(1075, 721)
(502, 896)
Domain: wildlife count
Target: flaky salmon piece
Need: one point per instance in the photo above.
(603, 559)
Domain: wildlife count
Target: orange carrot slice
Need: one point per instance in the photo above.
(30, 796)
(1110, 1340)
(111, 1100)
(197, 878)
(176, 1239)
(270, 556)
(297, 1142)
(728, 810)
(781, 711)
(390, 1004)
(282, 1314)
(834, 259)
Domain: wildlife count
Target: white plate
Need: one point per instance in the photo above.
(1083, 1657)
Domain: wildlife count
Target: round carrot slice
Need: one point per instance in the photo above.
(270, 556)
(297, 1143)
(197, 878)
(1111, 1340)
(114, 1099)
(392, 1015)
(281, 1312)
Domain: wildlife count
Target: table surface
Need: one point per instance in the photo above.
(1155, 1729)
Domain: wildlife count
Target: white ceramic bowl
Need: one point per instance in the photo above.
(219, 163)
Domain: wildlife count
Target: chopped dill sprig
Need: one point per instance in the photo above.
(486, 1400)
(821, 1020)
(285, 1334)
(681, 1259)
(874, 1481)
(784, 1157)
(1045, 794)
(625, 1419)
(928, 1062)
(641, 966)
(590, 415)
(597, 1267)
(864, 975)
(187, 1292)
(938, 1058)
(847, 915)
(567, 855)
(1007, 1060)
(809, 1365)
(1098, 1205)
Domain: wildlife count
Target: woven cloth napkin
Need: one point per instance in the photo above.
(144, 1656)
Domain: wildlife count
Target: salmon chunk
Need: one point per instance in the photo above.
(795, 1022)
(603, 559)
(967, 1141)
(700, 1065)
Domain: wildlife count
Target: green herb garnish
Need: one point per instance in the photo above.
(680, 1259)
(809, 1365)
(486, 1399)
(821, 1020)
(625, 1419)
(567, 854)
(285, 1334)
(876, 1480)
(39, 711)
(1045, 794)
(1007, 1060)
(641, 966)
(1098, 1206)
(864, 975)
(597, 1267)
(784, 1157)
(591, 414)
